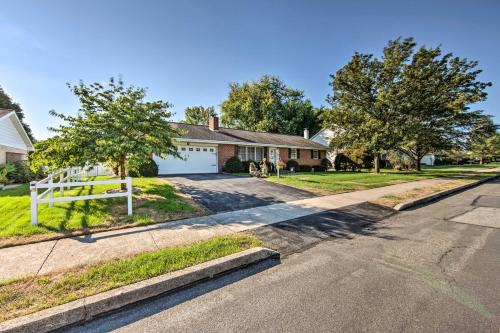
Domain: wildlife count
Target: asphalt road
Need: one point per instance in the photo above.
(363, 269)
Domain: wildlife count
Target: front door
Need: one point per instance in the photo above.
(274, 155)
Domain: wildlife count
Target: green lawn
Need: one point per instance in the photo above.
(26, 295)
(157, 201)
(339, 181)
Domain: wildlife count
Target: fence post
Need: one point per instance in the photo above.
(34, 203)
(61, 184)
(129, 195)
(51, 189)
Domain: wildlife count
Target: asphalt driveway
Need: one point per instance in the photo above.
(223, 193)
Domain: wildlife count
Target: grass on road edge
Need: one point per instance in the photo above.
(22, 296)
(332, 182)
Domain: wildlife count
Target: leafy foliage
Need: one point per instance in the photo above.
(198, 115)
(7, 103)
(305, 168)
(268, 105)
(481, 138)
(233, 165)
(413, 101)
(114, 123)
(292, 164)
(146, 168)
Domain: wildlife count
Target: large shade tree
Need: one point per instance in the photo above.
(481, 138)
(362, 112)
(114, 124)
(198, 115)
(7, 103)
(269, 105)
(412, 101)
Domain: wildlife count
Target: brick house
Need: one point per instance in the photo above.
(205, 149)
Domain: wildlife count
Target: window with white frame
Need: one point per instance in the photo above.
(246, 153)
(293, 153)
(315, 154)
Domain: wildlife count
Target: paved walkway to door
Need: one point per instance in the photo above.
(51, 256)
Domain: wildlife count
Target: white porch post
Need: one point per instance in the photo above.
(34, 204)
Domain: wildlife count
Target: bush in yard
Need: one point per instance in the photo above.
(326, 164)
(292, 164)
(21, 173)
(344, 163)
(305, 168)
(246, 165)
(233, 165)
(319, 168)
(148, 168)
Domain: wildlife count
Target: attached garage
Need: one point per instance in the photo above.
(195, 159)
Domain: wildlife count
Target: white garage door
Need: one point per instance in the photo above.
(195, 159)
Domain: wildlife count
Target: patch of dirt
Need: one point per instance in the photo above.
(418, 193)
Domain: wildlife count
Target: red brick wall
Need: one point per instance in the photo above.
(224, 153)
(305, 156)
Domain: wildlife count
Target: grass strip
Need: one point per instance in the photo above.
(22, 296)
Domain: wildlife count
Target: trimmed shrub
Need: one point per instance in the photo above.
(326, 164)
(292, 164)
(319, 168)
(344, 163)
(246, 165)
(304, 168)
(233, 165)
(21, 173)
(148, 168)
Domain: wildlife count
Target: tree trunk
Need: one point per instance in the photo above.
(418, 165)
(123, 173)
(377, 163)
(481, 160)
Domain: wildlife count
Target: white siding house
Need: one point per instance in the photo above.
(14, 142)
(325, 135)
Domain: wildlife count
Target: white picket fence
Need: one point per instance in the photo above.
(71, 177)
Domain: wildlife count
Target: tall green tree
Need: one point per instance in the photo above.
(269, 105)
(412, 101)
(198, 115)
(362, 113)
(434, 98)
(114, 124)
(479, 142)
(7, 103)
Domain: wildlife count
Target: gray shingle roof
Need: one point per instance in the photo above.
(230, 135)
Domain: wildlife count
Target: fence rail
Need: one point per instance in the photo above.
(71, 177)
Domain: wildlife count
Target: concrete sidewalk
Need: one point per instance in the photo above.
(52, 256)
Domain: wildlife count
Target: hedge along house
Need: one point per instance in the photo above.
(205, 149)
(14, 142)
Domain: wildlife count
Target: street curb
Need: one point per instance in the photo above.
(87, 308)
(435, 196)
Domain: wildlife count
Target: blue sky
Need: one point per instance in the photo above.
(187, 52)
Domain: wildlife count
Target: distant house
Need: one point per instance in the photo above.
(14, 142)
(325, 135)
(206, 148)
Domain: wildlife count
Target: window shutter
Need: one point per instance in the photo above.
(289, 152)
(298, 153)
(312, 154)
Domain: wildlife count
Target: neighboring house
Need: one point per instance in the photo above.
(205, 149)
(325, 135)
(14, 142)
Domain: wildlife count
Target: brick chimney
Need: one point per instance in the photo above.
(306, 133)
(213, 123)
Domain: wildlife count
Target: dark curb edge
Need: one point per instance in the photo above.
(435, 196)
(88, 308)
